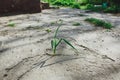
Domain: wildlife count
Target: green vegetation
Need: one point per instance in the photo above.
(94, 8)
(75, 5)
(52, 23)
(111, 6)
(11, 24)
(98, 22)
(48, 30)
(56, 41)
(76, 24)
(112, 9)
(82, 15)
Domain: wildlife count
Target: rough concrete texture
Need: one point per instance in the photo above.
(7, 6)
(23, 47)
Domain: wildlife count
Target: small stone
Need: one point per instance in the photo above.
(5, 75)
(102, 40)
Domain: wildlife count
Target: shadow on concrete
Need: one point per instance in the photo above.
(16, 13)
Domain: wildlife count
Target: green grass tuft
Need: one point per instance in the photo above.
(76, 24)
(11, 24)
(76, 5)
(98, 22)
(48, 30)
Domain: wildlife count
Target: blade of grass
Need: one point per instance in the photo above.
(57, 29)
(52, 44)
(69, 44)
(58, 42)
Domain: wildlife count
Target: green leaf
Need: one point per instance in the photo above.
(52, 44)
(56, 32)
(58, 42)
(11, 24)
(69, 44)
(57, 29)
(48, 30)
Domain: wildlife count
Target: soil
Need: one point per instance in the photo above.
(23, 47)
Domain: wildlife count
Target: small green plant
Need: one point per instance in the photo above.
(56, 41)
(11, 24)
(98, 22)
(76, 5)
(94, 8)
(48, 30)
(76, 24)
(112, 9)
(89, 6)
(52, 23)
(81, 15)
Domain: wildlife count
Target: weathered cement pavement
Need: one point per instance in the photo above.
(23, 47)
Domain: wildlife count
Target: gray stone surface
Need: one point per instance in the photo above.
(22, 56)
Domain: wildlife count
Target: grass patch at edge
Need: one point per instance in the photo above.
(98, 22)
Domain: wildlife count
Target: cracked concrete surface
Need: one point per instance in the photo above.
(23, 47)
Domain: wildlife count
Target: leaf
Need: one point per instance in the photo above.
(56, 32)
(57, 29)
(69, 44)
(58, 42)
(52, 44)
(11, 24)
(48, 30)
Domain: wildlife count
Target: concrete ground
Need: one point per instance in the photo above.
(23, 47)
